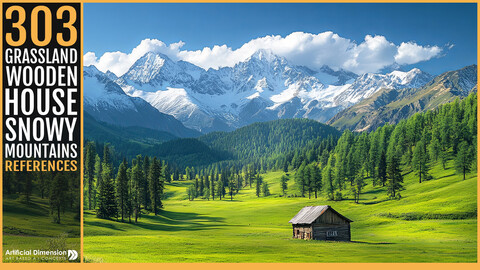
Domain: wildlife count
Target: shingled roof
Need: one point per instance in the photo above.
(309, 214)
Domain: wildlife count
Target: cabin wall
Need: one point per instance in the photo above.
(302, 232)
(331, 232)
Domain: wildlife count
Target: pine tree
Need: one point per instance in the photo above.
(328, 177)
(308, 178)
(121, 192)
(58, 196)
(191, 192)
(107, 207)
(206, 193)
(137, 189)
(443, 158)
(166, 172)
(420, 160)
(42, 183)
(382, 169)
(89, 171)
(146, 190)
(284, 184)
(300, 179)
(373, 157)
(250, 174)
(394, 178)
(212, 187)
(464, 158)
(98, 176)
(358, 185)
(316, 176)
(265, 189)
(231, 188)
(258, 185)
(155, 185)
(25, 179)
(285, 166)
(434, 149)
(220, 189)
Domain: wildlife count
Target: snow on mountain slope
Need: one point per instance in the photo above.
(105, 101)
(368, 84)
(261, 88)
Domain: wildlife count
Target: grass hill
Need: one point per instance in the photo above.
(30, 226)
(393, 105)
(435, 221)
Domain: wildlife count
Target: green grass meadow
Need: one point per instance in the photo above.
(435, 221)
(30, 226)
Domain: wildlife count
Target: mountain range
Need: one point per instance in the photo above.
(264, 87)
(393, 104)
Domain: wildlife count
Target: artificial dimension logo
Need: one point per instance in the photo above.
(36, 254)
(72, 255)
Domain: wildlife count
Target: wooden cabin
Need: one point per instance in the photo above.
(320, 222)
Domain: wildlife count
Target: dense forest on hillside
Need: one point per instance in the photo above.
(446, 133)
(269, 142)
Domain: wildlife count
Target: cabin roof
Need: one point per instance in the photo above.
(309, 214)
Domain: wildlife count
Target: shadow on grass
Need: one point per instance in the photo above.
(168, 194)
(103, 224)
(376, 191)
(28, 210)
(180, 221)
(373, 202)
(372, 243)
(179, 184)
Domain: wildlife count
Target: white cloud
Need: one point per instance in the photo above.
(411, 53)
(119, 62)
(311, 50)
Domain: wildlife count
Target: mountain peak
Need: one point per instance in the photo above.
(264, 55)
(91, 70)
(413, 78)
(148, 67)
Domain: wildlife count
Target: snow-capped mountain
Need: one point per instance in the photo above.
(263, 87)
(367, 84)
(105, 101)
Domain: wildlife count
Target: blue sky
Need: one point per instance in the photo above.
(121, 27)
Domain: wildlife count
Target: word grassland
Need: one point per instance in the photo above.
(41, 88)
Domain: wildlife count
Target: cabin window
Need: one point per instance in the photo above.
(332, 233)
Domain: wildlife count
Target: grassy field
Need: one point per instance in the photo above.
(30, 226)
(435, 221)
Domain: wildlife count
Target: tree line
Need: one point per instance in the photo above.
(227, 182)
(136, 187)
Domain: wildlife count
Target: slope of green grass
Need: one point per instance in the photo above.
(250, 229)
(30, 226)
